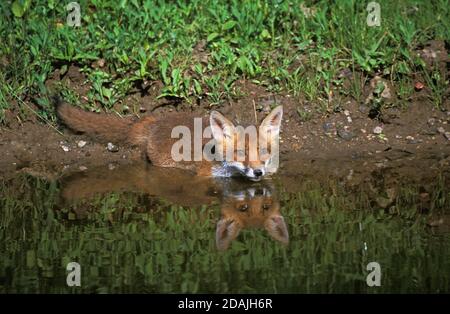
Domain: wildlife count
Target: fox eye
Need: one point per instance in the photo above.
(243, 208)
(266, 206)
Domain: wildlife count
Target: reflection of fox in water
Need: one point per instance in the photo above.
(254, 207)
(154, 137)
(242, 205)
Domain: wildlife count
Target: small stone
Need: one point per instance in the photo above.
(112, 148)
(378, 130)
(364, 109)
(328, 127)
(142, 109)
(398, 136)
(100, 63)
(82, 168)
(349, 120)
(81, 144)
(345, 73)
(111, 166)
(345, 135)
(447, 135)
(65, 148)
(431, 121)
(346, 112)
(430, 131)
(419, 86)
(440, 130)
(412, 140)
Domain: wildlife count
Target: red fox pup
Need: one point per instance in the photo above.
(234, 151)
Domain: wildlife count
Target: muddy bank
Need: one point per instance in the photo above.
(421, 132)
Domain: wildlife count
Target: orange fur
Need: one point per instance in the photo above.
(154, 137)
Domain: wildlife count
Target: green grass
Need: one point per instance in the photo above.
(273, 43)
(128, 244)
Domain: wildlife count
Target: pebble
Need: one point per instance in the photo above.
(112, 148)
(419, 86)
(81, 144)
(345, 135)
(378, 130)
(412, 140)
(364, 109)
(447, 135)
(82, 168)
(440, 130)
(328, 127)
(65, 148)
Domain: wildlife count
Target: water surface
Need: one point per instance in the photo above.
(140, 229)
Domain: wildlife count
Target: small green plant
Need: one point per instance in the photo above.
(304, 114)
(438, 83)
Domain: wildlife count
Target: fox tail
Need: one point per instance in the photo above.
(104, 127)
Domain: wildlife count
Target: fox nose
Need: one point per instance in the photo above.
(257, 172)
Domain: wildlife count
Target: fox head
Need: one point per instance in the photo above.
(250, 208)
(253, 152)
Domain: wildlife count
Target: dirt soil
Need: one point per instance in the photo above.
(39, 149)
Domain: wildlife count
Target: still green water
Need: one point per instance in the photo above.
(138, 230)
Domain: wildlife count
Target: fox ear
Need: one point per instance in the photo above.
(222, 128)
(277, 229)
(226, 231)
(272, 123)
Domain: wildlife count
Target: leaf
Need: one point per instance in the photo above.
(197, 87)
(228, 25)
(17, 9)
(212, 36)
(51, 4)
(164, 66)
(265, 34)
(176, 77)
(106, 92)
